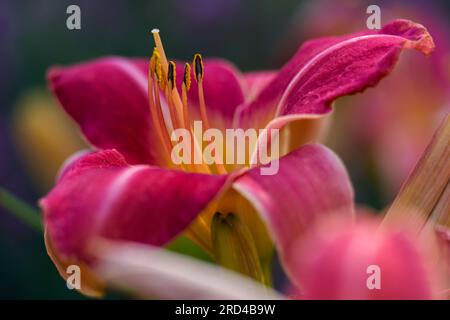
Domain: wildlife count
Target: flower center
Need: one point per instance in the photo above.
(162, 78)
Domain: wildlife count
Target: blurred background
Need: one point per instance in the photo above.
(379, 134)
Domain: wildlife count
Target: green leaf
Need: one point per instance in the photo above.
(21, 210)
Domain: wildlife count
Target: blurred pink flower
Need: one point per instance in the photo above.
(336, 262)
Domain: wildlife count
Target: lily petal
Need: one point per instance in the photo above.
(103, 196)
(328, 68)
(108, 99)
(311, 183)
(151, 272)
(256, 81)
(90, 284)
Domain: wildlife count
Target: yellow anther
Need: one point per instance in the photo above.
(152, 66)
(171, 75)
(187, 76)
(157, 69)
(198, 67)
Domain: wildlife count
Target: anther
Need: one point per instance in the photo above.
(198, 67)
(187, 76)
(184, 89)
(198, 75)
(171, 75)
(157, 69)
(155, 109)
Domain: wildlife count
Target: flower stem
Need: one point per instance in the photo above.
(21, 210)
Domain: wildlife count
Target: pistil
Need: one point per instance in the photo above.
(165, 66)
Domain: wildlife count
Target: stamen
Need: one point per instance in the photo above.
(187, 76)
(176, 97)
(157, 68)
(198, 67)
(159, 110)
(165, 66)
(178, 108)
(185, 86)
(198, 75)
(160, 48)
(171, 86)
(161, 132)
(184, 90)
(171, 75)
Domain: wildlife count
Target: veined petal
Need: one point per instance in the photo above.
(328, 68)
(103, 196)
(311, 183)
(108, 99)
(261, 110)
(150, 272)
(71, 161)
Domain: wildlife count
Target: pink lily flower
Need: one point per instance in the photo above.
(129, 190)
(400, 256)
